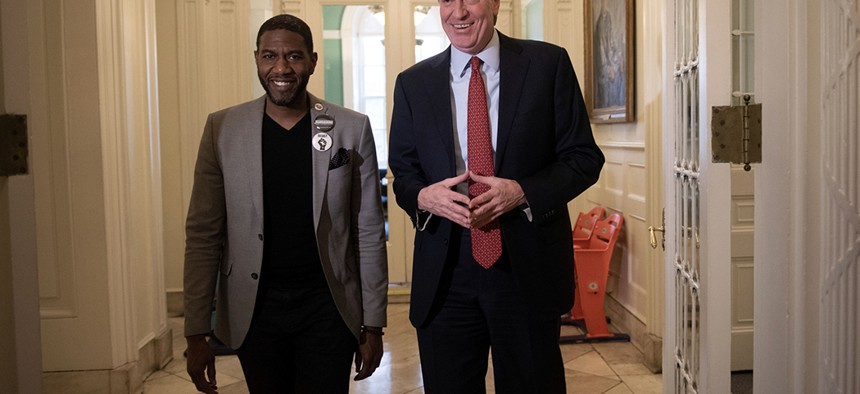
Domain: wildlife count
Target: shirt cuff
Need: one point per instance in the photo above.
(528, 211)
(421, 219)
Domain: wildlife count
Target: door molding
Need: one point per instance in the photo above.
(782, 279)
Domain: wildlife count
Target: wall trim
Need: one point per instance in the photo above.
(641, 336)
(622, 145)
(127, 378)
(175, 299)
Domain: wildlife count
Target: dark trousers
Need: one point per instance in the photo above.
(297, 343)
(476, 310)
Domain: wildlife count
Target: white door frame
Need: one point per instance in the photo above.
(787, 265)
(23, 362)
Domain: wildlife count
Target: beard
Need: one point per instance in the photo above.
(284, 98)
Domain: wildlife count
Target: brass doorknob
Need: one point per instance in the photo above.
(653, 232)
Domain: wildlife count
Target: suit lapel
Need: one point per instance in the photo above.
(253, 152)
(438, 87)
(513, 67)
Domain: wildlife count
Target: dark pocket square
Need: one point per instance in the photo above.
(340, 159)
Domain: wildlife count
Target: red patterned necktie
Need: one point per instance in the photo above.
(487, 240)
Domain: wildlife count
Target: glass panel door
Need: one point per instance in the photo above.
(685, 266)
(430, 39)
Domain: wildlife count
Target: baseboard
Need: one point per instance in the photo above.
(175, 303)
(125, 379)
(641, 337)
(399, 293)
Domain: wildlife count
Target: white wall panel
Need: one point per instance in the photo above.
(95, 154)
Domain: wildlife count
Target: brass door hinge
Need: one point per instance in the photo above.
(736, 133)
(13, 145)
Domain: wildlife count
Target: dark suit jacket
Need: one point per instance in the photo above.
(544, 143)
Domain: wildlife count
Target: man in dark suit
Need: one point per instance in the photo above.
(540, 155)
(285, 221)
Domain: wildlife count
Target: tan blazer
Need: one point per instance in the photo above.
(224, 229)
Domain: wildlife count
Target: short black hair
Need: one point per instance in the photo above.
(287, 22)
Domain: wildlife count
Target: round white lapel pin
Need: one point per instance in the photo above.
(322, 142)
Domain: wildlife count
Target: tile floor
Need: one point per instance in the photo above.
(612, 368)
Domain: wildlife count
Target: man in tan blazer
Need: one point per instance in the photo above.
(286, 222)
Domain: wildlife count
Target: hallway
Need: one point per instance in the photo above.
(612, 368)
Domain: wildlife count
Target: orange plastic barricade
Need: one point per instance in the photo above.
(584, 226)
(591, 264)
(582, 230)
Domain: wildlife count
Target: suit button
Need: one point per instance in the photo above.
(445, 241)
(260, 236)
(254, 276)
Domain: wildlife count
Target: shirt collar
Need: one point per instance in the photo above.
(490, 57)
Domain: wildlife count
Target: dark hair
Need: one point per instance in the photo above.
(287, 22)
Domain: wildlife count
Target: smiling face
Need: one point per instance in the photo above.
(284, 66)
(469, 23)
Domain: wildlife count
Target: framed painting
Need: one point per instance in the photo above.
(609, 60)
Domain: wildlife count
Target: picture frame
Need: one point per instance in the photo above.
(610, 60)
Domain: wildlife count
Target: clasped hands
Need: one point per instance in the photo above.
(440, 200)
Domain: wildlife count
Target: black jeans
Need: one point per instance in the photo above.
(297, 343)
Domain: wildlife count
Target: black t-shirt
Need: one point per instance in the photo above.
(290, 255)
